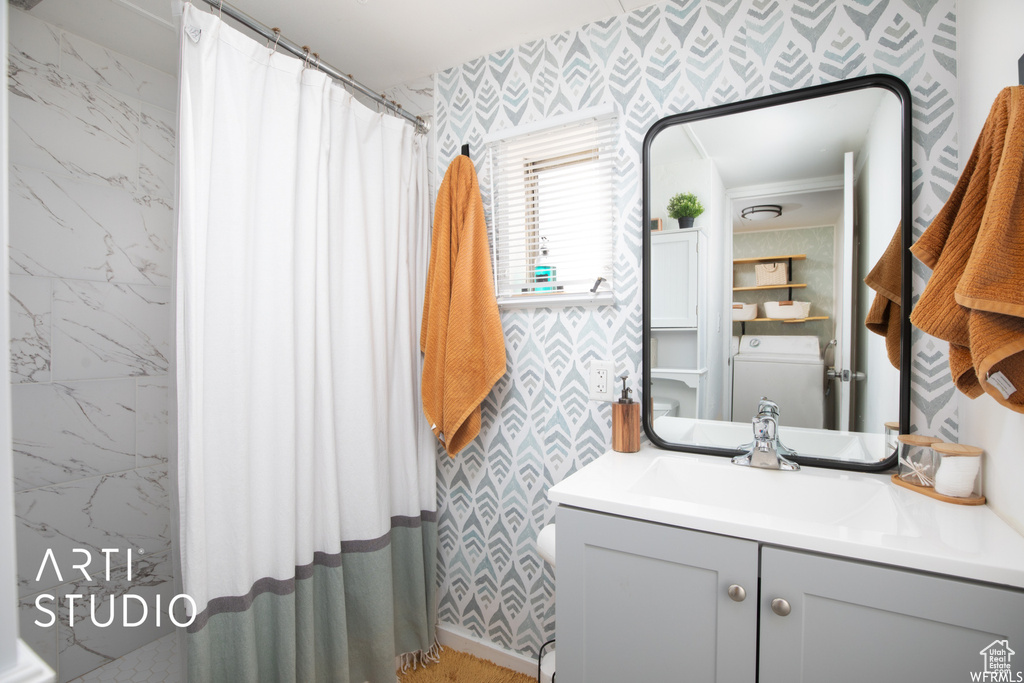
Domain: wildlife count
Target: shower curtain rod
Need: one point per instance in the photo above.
(304, 53)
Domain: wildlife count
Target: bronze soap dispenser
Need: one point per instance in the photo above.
(625, 421)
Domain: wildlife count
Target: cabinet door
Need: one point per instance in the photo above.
(639, 601)
(854, 622)
(674, 270)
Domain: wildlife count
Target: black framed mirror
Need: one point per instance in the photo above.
(763, 293)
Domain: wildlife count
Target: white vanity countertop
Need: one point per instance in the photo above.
(852, 514)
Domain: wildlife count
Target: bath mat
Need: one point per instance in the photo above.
(459, 667)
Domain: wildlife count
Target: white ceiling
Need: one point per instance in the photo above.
(796, 141)
(801, 141)
(382, 43)
(802, 210)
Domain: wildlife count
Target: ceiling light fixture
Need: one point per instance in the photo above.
(761, 212)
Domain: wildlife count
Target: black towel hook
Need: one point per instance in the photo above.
(465, 150)
(1020, 70)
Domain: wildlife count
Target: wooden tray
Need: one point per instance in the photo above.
(932, 493)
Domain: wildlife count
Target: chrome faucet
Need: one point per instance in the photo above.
(766, 451)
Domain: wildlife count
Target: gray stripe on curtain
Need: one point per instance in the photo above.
(268, 584)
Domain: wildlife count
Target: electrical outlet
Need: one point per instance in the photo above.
(602, 378)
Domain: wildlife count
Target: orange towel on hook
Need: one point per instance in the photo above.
(461, 338)
(884, 315)
(975, 248)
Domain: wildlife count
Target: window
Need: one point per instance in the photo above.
(553, 211)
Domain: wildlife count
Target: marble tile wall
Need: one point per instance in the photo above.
(92, 137)
(417, 97)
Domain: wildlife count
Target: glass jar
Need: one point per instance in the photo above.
(892, 444)
(958, 468)
(917, 460)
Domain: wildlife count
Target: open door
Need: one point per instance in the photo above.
(841, 374)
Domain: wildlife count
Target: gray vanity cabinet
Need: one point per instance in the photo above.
(639, 601)
(854, 622)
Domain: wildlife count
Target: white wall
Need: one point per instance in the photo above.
(677, 166)
(990, 43)
(719, 301)
(879, 214)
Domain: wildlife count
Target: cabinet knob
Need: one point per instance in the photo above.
(781, 607)
(737, 593)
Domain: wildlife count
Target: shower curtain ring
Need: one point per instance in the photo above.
(305, 59)
(277, 39)
(221, 14)
(317, 55)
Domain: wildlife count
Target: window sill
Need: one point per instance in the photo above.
(557, 300)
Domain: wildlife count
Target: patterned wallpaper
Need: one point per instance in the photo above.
(538, 425)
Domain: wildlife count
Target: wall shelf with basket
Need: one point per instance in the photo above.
(788, 285)
(776, 280)
(785, 320)
(766, 259)
(773, 273)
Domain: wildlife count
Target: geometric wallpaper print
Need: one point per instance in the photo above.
(538, 424)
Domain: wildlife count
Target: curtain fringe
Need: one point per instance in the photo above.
(414, 660)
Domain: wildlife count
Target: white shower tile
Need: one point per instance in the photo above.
(62, 124)
(78, 229)
(109, 330)
(31, 41)
(157, 662)
(30, 329)
(160, 89)
(151, 432)
(42, 639)
(157, 153)
(96, 64)
(125, 510)
(87, 646)
(75, 430)
(416, 96)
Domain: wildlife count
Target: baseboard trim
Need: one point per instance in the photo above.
(28, 669)
(464, 641)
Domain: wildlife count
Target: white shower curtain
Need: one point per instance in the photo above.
(308, 512)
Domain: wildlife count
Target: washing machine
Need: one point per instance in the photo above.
(789, 370)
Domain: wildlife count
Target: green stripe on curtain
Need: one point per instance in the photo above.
(343, 621)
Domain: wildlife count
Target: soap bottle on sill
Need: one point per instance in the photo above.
(625, 421)
(543, 271)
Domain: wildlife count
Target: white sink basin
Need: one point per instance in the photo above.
(865, 504)
(813, 443)
(851, 514)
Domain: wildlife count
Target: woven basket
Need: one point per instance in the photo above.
(787, 310)
(771, 273)
(742, 312)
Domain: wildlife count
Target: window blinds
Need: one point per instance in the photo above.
(553, 210)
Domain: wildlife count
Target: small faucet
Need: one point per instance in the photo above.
(766, 451)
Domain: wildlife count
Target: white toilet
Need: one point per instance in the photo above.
(662, 407)
(546, 549)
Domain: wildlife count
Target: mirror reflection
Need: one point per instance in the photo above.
(764, 295)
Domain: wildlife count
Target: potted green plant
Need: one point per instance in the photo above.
(685, 207)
